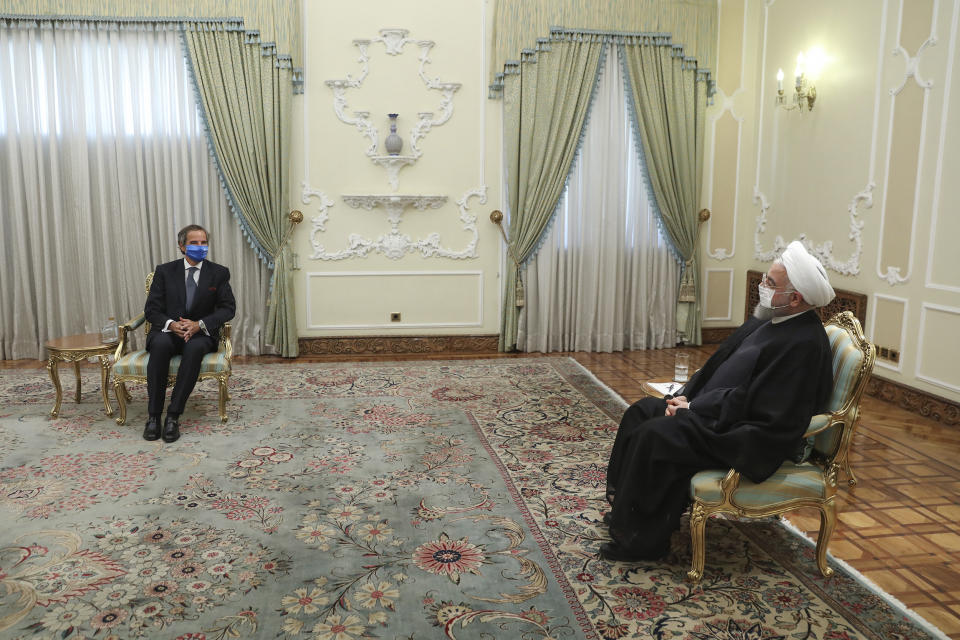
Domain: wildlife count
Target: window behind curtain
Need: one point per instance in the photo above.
(103, 158)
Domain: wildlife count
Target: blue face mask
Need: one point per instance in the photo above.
(197, 252)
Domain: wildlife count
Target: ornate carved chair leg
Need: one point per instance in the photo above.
(698, 521)
(223, 398)
(120, 393)
(851, 477)
(104, 383)
(828, 520)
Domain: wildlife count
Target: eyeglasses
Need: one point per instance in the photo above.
(770, 284)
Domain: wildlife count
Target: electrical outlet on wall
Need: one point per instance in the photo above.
(394, 316)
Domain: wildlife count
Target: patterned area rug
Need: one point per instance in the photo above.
(413, 500)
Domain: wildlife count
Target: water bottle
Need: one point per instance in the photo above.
(109, 333)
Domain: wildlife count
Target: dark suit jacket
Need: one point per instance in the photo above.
(213, 301)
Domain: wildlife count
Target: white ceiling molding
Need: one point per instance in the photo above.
(824, 250)
(893, 274)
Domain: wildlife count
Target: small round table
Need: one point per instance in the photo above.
(74, 349)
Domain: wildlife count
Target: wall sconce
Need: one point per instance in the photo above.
(805, 93)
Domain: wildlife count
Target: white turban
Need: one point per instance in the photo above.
(807, 275)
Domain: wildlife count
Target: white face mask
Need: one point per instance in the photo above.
(766, 296)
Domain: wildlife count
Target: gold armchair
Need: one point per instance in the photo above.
(132, 367)
(812, 483)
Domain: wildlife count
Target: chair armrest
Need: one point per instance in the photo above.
(125, 329)
(226, 344)
(819, 423)
(729, 484)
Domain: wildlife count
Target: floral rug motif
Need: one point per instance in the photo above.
(378, 500)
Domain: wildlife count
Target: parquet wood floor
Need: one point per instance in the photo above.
(899, 527)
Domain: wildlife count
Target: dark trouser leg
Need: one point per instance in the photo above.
(162, 347)
(658, 461)
(635, 415)
(193, 351)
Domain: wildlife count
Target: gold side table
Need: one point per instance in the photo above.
(74, 349)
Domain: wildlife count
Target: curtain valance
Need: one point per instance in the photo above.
(561, 34)
(274, 23)
(523, 26)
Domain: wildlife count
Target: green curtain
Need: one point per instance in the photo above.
(246, 99)
(669, 101)
(545, 107)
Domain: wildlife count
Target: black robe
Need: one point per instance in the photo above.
(749, 407)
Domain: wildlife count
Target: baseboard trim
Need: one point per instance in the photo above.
(378, 345)
(920, 402)
(715, 335)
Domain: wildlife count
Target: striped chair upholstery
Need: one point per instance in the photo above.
(795, 485)
(132, 367)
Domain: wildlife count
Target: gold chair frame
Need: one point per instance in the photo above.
(830, 463)
(225, 346)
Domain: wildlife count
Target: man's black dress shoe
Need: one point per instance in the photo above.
(171, 429)
(152, 430)
(615, 553)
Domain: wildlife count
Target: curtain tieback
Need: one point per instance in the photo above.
(496, 217)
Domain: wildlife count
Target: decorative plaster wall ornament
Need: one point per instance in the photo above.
(394, 41)
(824, 251)
(395, 245)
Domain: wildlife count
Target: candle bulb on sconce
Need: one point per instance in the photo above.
(805, 93)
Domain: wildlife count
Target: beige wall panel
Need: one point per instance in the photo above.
(915, 29)
(724, 197)
(940, 348)
(902, 181)
(887, 330)
(719, 283)
(731, 46)
(365, 300)
(459, 156)
(810, 165)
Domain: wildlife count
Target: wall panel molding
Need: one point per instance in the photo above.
(890, 273)
(386, 275)
(923, 332)
(903, 329)
(938, 179)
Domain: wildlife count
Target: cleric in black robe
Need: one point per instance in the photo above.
(746, 408)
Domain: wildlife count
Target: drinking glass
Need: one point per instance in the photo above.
(681, 368)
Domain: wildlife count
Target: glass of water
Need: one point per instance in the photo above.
(681, 368)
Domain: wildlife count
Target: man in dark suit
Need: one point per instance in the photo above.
(189, 300)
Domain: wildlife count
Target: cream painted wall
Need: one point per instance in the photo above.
(868, 178)
(339, 290)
